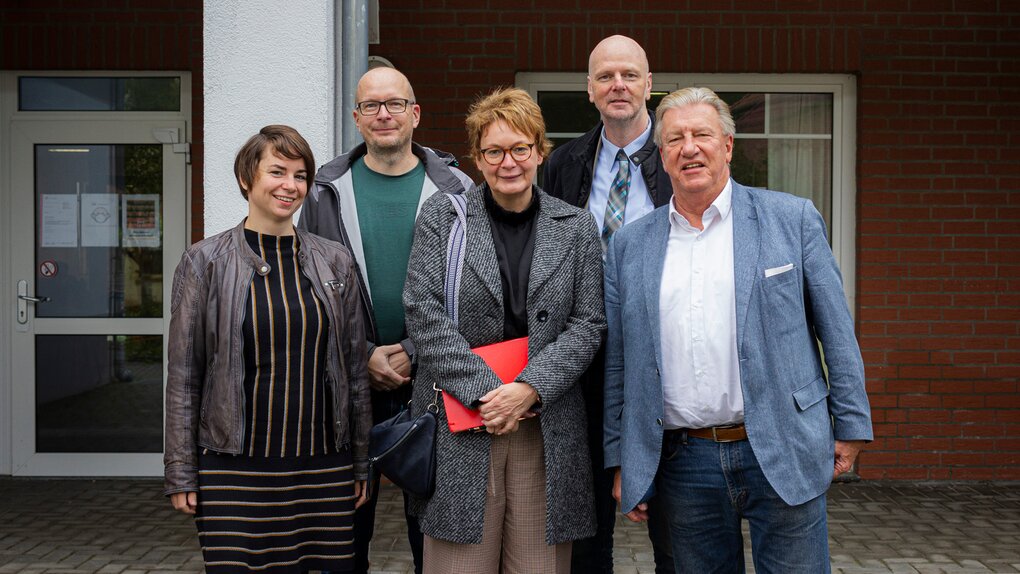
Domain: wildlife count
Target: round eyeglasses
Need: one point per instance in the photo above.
(520, 152)
(394, 106)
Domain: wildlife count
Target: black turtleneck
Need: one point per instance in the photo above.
(513, 234)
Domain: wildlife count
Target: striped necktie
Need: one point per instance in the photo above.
(617, 203)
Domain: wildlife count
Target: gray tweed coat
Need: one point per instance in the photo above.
(566, 325)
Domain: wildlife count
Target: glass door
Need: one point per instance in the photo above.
(99, 215)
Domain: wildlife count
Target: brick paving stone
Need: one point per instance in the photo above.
(60, 526)
(93, 565)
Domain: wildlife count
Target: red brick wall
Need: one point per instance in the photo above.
(938, 263)
(112, 35)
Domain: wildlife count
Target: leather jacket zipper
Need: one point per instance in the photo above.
(331, 355)
(238, 312)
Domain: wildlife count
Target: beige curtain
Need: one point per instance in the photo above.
(801, 166)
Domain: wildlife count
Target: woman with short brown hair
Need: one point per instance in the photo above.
(267, 409)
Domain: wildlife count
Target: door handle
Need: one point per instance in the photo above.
(23, 299)
(33, 299)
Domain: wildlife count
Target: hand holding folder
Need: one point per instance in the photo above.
(507, 359)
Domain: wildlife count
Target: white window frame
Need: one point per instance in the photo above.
(843, 88)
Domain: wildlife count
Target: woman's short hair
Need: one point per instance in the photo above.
(516, 109)
(691, 96)
(285, 141)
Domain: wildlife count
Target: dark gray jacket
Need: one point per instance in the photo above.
(566, 324)
(330, 211)
(205, 366)
(568, 170)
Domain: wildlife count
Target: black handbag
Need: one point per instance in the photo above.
(403, 448)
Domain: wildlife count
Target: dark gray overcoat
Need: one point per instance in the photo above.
(566, 325)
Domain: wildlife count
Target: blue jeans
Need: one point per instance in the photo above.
(709, 487)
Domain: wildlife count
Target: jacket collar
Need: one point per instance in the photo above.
(437, 166)
(588, 145)
(246, 254)
(586, 152)
(647, 159)
(746, 249)
(552, 236)
(654, 256)
(649, 150)
(262, 267)
(480, 256)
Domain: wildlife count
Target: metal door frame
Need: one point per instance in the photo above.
(17, 236)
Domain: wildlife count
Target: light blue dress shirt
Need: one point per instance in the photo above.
(639, 203)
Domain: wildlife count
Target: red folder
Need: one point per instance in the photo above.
(507, 359)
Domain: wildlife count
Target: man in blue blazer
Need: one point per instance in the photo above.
(721, 307)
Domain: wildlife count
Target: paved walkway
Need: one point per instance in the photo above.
(127, 527)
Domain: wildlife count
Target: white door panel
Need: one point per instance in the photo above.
(98, 223)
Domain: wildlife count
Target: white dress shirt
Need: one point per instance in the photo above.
(698, 321)
(639, 202)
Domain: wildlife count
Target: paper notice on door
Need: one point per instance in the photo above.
(58, 220)
(99, 220)
(140, 220)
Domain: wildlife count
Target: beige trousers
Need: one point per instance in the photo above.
(513, 535)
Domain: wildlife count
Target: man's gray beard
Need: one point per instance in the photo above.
(388, 153)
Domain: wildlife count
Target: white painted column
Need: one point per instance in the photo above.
(265, 62)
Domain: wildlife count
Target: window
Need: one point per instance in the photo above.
(99, 94)
(795, 133)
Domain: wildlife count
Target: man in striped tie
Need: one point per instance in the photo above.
(615, 171)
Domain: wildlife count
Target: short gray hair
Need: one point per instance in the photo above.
(689, 97)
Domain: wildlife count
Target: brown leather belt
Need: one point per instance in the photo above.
(718, 434)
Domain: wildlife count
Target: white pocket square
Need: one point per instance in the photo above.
(778, 270)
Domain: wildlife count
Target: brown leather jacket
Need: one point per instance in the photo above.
(205, 370)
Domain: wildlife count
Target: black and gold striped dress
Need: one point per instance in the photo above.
(286, 504)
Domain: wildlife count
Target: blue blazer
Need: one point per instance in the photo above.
(793, 407)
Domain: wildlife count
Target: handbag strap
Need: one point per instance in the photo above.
(455, 248)
(456, 245)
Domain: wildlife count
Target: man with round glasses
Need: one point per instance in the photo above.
(368, 200)
(394, 106)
